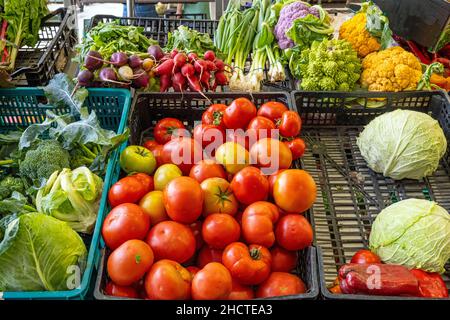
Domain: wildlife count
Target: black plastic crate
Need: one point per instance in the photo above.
(148, 108)
(36, 66)
(350, 195)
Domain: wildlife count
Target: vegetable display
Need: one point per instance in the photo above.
(403, 144)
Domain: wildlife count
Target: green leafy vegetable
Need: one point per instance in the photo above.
(190, 40)
(11, 184)
(414, 233)
(403, 144)
(16, 204)
(377, 24)
(39, 252)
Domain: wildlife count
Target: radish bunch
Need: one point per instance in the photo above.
(181, 71)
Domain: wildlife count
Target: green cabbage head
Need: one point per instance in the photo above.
(403, 144)
(414, 233)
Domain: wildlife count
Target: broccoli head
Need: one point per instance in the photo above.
(10, 184)
(47, 157)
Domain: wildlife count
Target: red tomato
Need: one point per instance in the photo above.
(218, 197)
(209, 136)
(172, 240)
(258, 220)
(167, 129)
(129, 262)
(239, 113)
(125, 222)
(364, 257)
(157, 153)
(183, 152)
(214, 115)
(248, 265)
(150, 144)
(146, 180)
(196, 229)
(168, 280)
(283, 260)
(183, 200)
(250, 185)
(280, 284)
(297, 147)
(115, 290)
(272, 110)
(290, 124)
(272, 179)
(129, 189)
(220, 229)
(213, 282)
(240, 292)
(241, 137)
(207, 255)
(193, 270)
(294, 232)
(261, 127)
(206, 169)
(294, 191)
(271, 154)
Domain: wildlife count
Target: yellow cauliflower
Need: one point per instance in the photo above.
(355, 32)
(393, 69)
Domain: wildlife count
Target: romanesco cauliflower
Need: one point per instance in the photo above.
(393, 69)
(329, 65)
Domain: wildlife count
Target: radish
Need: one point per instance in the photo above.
(93, 60)
(156, 52)
(180, 59)
(178, 82)
(194, 84)
(134, 61)
(192, 57)
(108, 75)
(173, 53)
(119, 59)
(200, 65)
(220, 78)
(205, 78)
(188, 70)
(209, 55)
(85, 77)
(210, 66)
(141, 79)
(126, 73)
(165, 82)
(165, 68)
(219, 64)
(148, 64)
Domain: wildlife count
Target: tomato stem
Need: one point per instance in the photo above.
(255, 254)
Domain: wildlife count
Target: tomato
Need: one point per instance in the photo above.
(232, 156)
(261, 127)
(258, 220)
(239, 113)
(250, 185)
(294, 191)
(157, 153)
(209, 136)
(115, 290)
(183, 152)
(129, 190)
(213, 282)
(214, 115)
(336, 289)
(129, 262)
(137, 159)
(297, 147)
(283, 260)
(167, 129)
(219, 230)
(240, 292)
(280, 284)
(272, 110)
(196, 229)
(241, 137)
(172, 240)
(364, 256)
(271, 154)
(153, 205)
(164, 174)
(168, 280)
(218, 197)
(207, 255)
(272, 179)
(193, 270)
(249, 265)
(183, 200)
(150, 144)
(146, 180)
(294, 232)
(290, 124)
(207, 169)
(125, 222)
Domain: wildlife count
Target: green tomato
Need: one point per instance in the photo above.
(137, 159)
(164, 174)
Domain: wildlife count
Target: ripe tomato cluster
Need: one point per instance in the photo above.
(214, 228)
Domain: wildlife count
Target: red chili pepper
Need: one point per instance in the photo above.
(431, 285)
(417, 52)
(378, 279)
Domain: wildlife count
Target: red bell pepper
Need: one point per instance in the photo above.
(378, 279)
(431, 285)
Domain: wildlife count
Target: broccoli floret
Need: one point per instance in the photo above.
(47, 157)
(10, 184)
